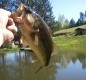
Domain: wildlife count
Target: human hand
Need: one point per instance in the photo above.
(7, 26)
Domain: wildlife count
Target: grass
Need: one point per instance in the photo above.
(71, 42)
(70, 30)
(8, 49)
(65, 43)
(75, 43)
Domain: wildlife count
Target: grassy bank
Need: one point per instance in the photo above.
(75, 43)
(8, 49)
(70, 30)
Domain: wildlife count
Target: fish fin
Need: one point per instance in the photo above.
(49, 66)
(55, 49)
(38, 69)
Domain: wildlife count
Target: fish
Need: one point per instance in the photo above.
(35, 32)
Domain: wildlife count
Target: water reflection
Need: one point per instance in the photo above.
(21, 65)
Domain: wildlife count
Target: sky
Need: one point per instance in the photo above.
(69, 8)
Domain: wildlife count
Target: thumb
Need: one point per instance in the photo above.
(11, 26)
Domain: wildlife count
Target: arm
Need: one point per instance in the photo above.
(1, 38)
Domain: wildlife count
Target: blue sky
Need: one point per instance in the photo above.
(69, 8)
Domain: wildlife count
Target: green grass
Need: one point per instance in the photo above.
(70, 30)
(71, 42)
(77, 43)
(8, 49)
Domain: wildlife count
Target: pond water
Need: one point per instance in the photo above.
(21, 65)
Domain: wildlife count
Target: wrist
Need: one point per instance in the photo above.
(1, 37)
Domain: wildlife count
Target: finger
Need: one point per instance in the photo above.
(8, 35)
(11, 26)
(10, 22)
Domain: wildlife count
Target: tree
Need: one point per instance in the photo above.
(85, 13)
(66, 24)
(61, 20)
(81, 15)
(3, 3)
(79, 22)
(56, 26)
(82, 19)
(72, 23)
(42, 7)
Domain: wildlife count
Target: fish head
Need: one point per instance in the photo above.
(22, 12)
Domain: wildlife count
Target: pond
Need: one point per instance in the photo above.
(21, 65)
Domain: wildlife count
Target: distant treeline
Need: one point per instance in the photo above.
(81, 20)
(63, 23)
(44, 9)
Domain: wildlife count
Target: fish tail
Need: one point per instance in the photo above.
(38, 69)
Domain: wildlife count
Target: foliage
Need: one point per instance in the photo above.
(61, 20)
(5, 50)
(7, 45)
(72, 23)
(42, 7)
(82, 19)
(64, 23)
(70, 30)
(55, 26)
(3, 3)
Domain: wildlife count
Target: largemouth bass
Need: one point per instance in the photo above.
(35, 32)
